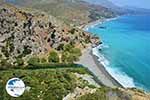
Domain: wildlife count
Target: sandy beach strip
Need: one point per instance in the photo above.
(91, 62)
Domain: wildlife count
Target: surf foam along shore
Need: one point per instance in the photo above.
(89, 61)
(122, 78)
(117, 74)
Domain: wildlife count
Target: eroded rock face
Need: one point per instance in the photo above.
(24, 33)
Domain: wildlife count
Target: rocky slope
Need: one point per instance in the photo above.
(24, 33)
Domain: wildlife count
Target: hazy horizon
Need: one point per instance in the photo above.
(133, 3)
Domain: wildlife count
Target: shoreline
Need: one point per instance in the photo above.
(95, 58)
(103, 69)
(94, 23)
(90, 61)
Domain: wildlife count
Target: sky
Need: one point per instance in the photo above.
(135, 3)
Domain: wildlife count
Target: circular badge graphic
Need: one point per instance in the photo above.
(15, 87)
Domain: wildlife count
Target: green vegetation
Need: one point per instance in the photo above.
(26, 51)
(67, 57)
(4, 64)
(70, 54)
(19, 62)
(34, 60)
(45, 84)
(8, 48)
(43, 60)
(53, 57)
(50, 66)
(68, 47)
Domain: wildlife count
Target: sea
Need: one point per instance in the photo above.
(125, 52)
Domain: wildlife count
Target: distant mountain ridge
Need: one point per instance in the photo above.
(104, 3)
(119, 10)
(137, 10)
(107, 4)
(76, 12)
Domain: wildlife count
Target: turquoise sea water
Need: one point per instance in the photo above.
(126, 49)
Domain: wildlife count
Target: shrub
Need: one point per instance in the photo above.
(19, 61)
(72, 31)
(68, 47)
(67, 57)
(53, 57)
(43, 60)
(4, 64)
(33, 60)
(26, 51)
(60, 47)
(5, 51)
(70, 54)
(76, 51)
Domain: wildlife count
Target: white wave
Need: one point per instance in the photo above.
(103, 46)
(116, 73)
(121, 77)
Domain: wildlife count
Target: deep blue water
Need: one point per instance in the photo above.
(126, 49)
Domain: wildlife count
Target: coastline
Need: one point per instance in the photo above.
(107, 79)
(116, 77)
(90, 61)
(102, 68)
(94, 23)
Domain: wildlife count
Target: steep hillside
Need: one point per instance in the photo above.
(76, 12)
(24, 33)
